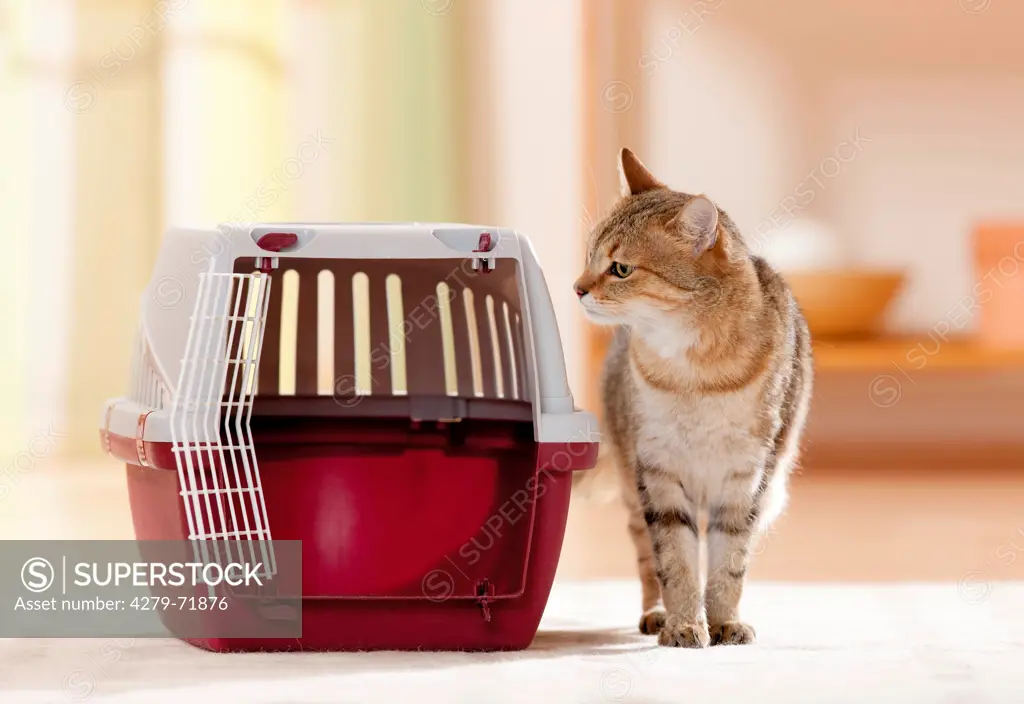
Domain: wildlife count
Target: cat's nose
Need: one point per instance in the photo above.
(580, 291)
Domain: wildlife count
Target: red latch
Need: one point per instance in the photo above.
(485, 243)
(484, 595)
(276, 241)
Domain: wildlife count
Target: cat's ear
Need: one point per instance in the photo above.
(634, 176)
(699, 218)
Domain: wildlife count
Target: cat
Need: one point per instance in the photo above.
(705, 390)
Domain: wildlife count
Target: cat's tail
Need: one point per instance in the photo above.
(600, 484)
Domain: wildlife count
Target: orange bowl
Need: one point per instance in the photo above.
(846, 303)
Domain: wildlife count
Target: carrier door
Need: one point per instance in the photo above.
(210, 418)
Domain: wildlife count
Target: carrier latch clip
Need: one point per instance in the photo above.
(266, 265)
(274, 242)
(484, 595)
(485, 244)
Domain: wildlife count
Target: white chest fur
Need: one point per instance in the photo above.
(702, 438)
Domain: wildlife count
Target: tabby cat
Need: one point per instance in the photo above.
(705, 390)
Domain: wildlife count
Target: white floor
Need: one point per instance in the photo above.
(947, 643)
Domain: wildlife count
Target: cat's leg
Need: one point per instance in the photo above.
(731, 534)
(652, 617)
(671, 519)
(739, 517)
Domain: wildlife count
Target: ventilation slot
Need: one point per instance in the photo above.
(325, 333)
(513, 367)
(444, 305)
(289, 333)
(361, 333)
(520, 341)
(499, 374)
(147, 389)
(474, 342)
(136, 379)
(396, 335)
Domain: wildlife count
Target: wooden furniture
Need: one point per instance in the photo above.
(880, 353)
(891, 355)
(920, 353)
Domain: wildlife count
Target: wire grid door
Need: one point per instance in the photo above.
(210, 416)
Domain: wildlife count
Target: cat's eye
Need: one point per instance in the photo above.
(620, 270)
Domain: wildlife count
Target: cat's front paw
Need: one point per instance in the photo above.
(732, 633)
(676, 634)
(652, 622)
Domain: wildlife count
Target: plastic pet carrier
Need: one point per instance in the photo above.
(392, 395)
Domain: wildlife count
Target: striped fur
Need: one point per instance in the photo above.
(706, 390)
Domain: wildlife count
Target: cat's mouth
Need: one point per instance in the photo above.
(600, 313)
(601, 318)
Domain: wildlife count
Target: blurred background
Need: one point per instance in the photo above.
(872, 150)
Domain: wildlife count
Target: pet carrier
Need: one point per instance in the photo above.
(392, 395)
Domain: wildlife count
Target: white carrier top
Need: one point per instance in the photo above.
(193, 302)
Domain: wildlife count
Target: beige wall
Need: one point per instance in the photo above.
(750, 101)
(947, 151)
(36, 181)
(538, 147)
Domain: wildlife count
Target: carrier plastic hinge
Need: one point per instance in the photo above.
(140, 439)
(106, 429)
(485, 244)
(484, 595)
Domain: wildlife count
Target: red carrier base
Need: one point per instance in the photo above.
(415, 536)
